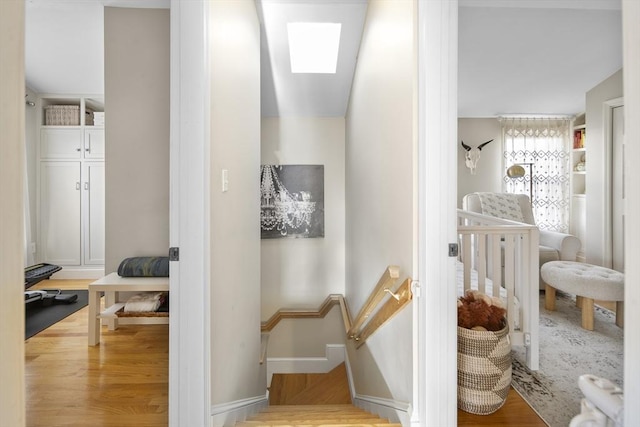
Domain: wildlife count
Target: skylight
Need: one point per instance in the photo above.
(313, 46)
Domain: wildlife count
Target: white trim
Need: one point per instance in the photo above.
(631, 83)
(143, 320)
(79, 273)
(435, 392)
(607, 130)
(334, 355)
(227, 414)
(190, 326)
(393, 410)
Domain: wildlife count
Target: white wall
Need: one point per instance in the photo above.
(597, 158)
(234, 55)
(12, 390)
(306, 337)
(136, 133)
(488, 175)
(381, 189)
(301, 273)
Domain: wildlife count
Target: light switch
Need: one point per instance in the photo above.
(225, 180)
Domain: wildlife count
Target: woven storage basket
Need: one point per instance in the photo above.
(484, 370)
(62, 115)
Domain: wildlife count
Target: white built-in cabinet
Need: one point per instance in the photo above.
(71, 208)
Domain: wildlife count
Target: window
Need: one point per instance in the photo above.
(540, 145)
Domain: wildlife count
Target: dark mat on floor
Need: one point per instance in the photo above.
(39, 317)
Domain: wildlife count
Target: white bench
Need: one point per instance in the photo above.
(588, 282)
(111, 285)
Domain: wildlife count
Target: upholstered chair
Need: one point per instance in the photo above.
(554, 246)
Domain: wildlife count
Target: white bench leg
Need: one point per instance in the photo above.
(94, 321)
(110, 299)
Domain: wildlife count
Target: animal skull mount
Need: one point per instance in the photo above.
(472, 155)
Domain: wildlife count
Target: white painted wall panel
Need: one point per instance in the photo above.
(381, 189)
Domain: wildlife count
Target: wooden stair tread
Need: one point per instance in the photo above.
(335, 424)
(345, 407)
(310, 419)
(301, 389)
(337, 415)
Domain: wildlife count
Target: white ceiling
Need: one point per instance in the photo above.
(515, 56)
(519, 60)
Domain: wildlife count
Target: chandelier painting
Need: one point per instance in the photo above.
(291, 201)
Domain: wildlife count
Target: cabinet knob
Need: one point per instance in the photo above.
(78, 149)
(77, 185)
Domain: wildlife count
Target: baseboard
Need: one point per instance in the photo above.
(334, 355)
(79, 273)
(397, 412)
(143, 320)
(227, 414)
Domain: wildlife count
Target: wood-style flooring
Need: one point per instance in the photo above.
(124, 381)
(121, 382)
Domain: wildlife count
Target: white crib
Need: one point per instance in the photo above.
(500, 257)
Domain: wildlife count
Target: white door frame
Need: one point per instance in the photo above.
(631, 82)
(190, 326)
(435, 391)
(607, 125)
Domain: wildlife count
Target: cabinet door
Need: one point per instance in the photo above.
(94, 144)
(60, 197)
(93, 215)
(56, 143)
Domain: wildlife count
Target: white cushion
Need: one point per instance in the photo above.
(586, 280)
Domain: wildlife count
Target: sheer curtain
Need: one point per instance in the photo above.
(541, 146)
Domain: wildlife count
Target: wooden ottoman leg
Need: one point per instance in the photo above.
(549, 297)
(620, 313)
(587, 313)
(578, 301)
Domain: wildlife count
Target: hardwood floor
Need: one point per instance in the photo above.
(515, 412)
(121, 382)
(124, 380)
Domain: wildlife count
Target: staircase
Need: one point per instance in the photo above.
(314, 416)
(312, 400)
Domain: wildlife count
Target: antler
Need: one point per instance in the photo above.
(466, 147)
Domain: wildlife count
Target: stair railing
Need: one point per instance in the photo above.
(366, 323)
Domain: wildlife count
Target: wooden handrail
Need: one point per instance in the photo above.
(393, 305)
(386, 282)
(319, 313)
(395, 302)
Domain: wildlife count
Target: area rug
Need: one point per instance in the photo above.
(39, 317)
(566, 352)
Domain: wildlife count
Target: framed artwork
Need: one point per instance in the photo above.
(291, 201)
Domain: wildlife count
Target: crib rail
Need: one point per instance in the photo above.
(501, 256)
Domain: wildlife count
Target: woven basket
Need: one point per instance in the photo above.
(62, 115)
(484, 370)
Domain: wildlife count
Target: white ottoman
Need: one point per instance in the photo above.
(588, 282)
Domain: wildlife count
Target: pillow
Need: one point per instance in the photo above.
(144, 266)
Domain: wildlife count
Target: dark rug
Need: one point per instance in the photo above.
(40, 317)
(566, 352)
